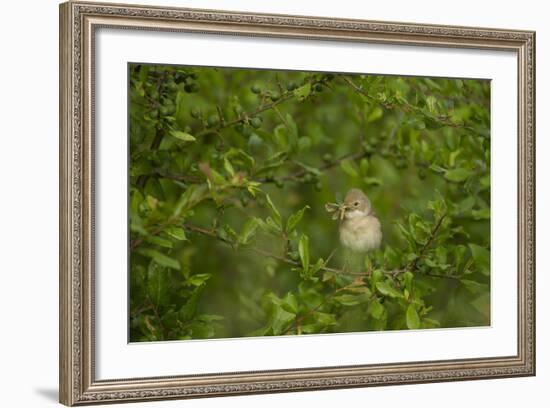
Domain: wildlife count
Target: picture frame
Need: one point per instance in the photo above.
(79, 294)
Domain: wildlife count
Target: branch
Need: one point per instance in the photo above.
(297, 175)
(245, 116)
(443, 120)
(263, 252)
(223, 124)
(414, 263)
(186, 178)
(285, 96)
(394, 273)
(437, 275)
(138, 241)
(159, 135)
(190, 179)
(212, 233)
(158, 318)
(361, 91)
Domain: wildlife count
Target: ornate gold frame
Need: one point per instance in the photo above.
(77, 24)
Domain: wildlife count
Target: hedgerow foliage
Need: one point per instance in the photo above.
(230, 170)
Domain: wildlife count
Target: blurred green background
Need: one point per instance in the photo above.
(230, 170)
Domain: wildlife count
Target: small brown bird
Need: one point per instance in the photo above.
(360, 229)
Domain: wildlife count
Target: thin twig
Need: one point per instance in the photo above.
(297, 175)
(159, 320)
(444, 120)
(414, 263)
(437, 275)
(330, 256)
(159, 135)
(245, 116)
(301, 318)
(293, 176)
(186, 178)
(263, 252)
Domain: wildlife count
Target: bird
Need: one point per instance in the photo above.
(360, 229)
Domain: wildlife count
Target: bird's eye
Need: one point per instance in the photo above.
(356, 204)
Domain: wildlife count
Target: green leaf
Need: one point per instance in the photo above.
(281, 320)
(281, 137)
(276, 214)
(430, 323)
(485, 182)
(199, 279)
(387, 290)
(136, 225)
(157, 284)
(186, 137)
(228, 167)
(483, 214)
(176, 232)
(241, 157)
(202, 331)
(303, 250)
(303, 91)
(481, 257)
(227, 233)
(432, 84)
(252, 187)
(310, 169)
(413, 321)
(437, 168)
(348, 300)
(452, 157)
(189, 309)
(373, 181)
(405, 232)
(408, 279)
(325, 319)
(268, 226)
(375, 114)
(152, 202)
(465, 205)
(438, 206)
(458, 175)
(377, 276)
(159, 258)
(316, 267)
(274, 228)
(210, 318)
(165, 243)
(349, 167)
(248, 231)
(294, 219)
(292, 125)
(193, 195)
(376, 309)
(431, 103)
(290, 303)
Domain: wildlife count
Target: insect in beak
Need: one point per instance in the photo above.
(338, 210)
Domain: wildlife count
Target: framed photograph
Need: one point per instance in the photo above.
(256, 203)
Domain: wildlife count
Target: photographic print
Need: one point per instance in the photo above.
(266, 202)
(259, 219)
